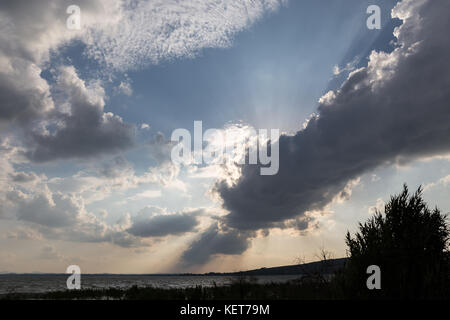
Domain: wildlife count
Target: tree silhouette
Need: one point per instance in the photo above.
(409, 242)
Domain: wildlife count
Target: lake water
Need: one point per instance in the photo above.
(35, 283)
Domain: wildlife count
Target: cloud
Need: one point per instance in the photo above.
(24, 233)
(120, 35)
(156, 222)
(148, 32)
(145, 195)
(62, 116)
(50, 253)
(85, 130)
(394, 110)
(350, 66)
(23, 177)
(101, 180)
(125, 88)
(216, 240)
(24, 95)
(53, 210)
(375, 178)
(115, 168)
(7, 156)
(444, 181)
(160, 148)
(50, 131)
(378, 207)
(90, 229)
(29, 109)
(30, 30)
(58, 216)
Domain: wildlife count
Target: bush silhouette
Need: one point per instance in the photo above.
(409, 242)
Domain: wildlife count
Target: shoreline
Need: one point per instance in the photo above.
(238, 290)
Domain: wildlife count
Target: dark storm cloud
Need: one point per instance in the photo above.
(395, 110)
(216, 240)
(86, 131)
(157, 225)
(19, 103)
(82, 140)
(160, 226)
(46, 210)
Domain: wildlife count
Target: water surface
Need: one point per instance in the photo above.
(36, 283)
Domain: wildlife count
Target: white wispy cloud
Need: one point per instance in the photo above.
(147, 32)
(349, 66)
(444, 181)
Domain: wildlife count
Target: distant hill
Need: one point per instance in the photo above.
(324, 267)
(327, 267)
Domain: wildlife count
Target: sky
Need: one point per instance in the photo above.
(87, 175)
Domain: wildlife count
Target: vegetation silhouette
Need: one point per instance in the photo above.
(409, 242)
